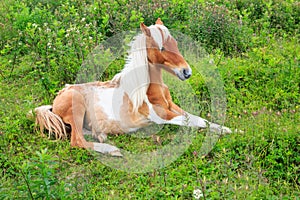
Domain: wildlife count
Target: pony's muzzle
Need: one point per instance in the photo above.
(183, 73)
(187, 72)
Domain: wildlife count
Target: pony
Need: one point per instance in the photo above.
(135, 98)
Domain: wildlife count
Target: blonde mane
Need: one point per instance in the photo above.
(134, 78)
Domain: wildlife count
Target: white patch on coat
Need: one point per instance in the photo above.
(110, 101)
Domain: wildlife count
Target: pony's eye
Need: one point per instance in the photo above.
(162, 48)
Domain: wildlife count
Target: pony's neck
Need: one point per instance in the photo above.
(155, 74)
(156, 89)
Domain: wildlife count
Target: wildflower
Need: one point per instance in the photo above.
(255, 113)
(278, 113)
(197, 194)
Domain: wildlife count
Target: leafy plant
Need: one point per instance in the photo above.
(217, 28)
(40, 178)
(255, 45)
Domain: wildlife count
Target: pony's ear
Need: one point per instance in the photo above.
(159, 22)
(145, 29)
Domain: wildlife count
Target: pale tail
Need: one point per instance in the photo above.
(46, 119)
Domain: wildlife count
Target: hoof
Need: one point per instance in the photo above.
(107, 149)
(102, 137)
(239, 131)
(116, 153)
(222, 130)
(225, 130)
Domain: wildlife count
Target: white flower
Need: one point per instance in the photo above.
(83, 19)
(197, 194)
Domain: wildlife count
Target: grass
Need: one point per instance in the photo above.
(260, 163)
(261, 82)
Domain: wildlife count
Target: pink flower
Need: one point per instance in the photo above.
(195, 153)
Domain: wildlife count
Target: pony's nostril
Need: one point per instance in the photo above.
(186, 73)
(187, 76)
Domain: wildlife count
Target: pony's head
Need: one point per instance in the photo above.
(162, 50)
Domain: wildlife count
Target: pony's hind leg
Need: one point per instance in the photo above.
(70, 106)
(107, 149)
(102, 147)
(100, 136)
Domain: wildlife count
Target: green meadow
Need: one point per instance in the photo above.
(256, 53)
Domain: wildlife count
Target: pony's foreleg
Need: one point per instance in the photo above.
(183, 118)
(195, 121)
(188, 119)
